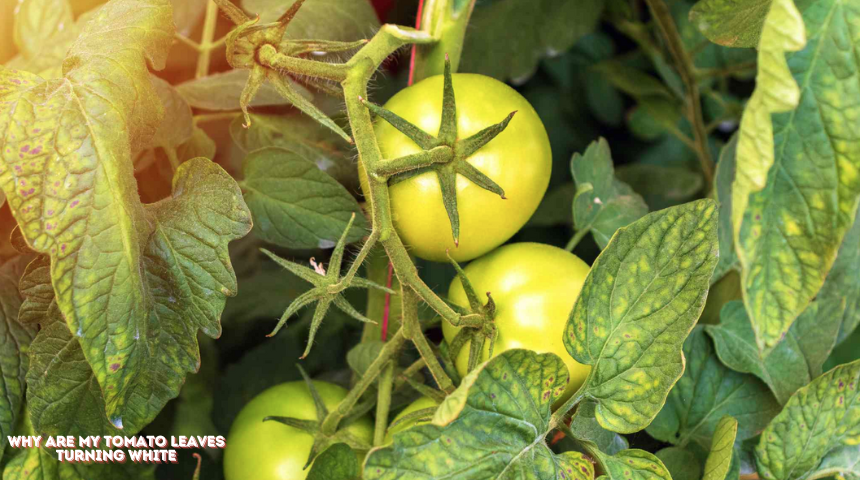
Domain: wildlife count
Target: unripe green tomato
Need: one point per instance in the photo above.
(270, 450)
(519, 160)
(420, 404)
(534, 287)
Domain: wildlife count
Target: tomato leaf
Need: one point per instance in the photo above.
(222, 91)
(40, 464)
(335, 20)
(843, 282)
(36, 21)
(633, 464)
(793, 224)
(602, 203)
(719, 460)
(794, 362)
(733, 23)
(508, 38)
(723, 179)
(504, 407)
(638, 304)
(707, 392)
(661, 186)
(15, 339)
(585, 427)
(819, 418)
(295, 204)
(841, 462)
(337, 462)
(302, 135)
(681, 463)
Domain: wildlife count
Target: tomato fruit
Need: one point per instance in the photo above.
(420, 404)
(271, 450)
(519, 160)
(534, 287)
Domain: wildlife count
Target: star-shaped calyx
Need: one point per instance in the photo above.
(261, 48)
(314, 427)
(327, 288)
(477, 335)
(449, 153)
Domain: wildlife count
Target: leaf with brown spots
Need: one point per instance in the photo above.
(493, 426)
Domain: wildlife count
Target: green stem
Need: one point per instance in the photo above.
(424, 158)
(209, 23)
(579, 235)
(684, 64)
(446, 21)
(559, 415)
(383, 404)
(412, 330)
(270, 57)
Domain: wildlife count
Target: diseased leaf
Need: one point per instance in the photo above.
(842, 461)
(134, 283)
(633, 464)
(820, 417)
(681, 463)
(302, 135)
(36, 288)
(36, 21)
(801, 207)
(794, 362)
(40, 464)
(639, 302)
(295, 204)
(493, 426)
(707, 392)
(733, 23)
(602, 204)
(15, 341)
(335, 20)
(222, 91)
(585, 427)
(507, 38)
(47, 62)
(337, 462)
(720, 458)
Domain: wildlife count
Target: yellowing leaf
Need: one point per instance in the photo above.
(36, 21)
(133, 282)
(720, 459)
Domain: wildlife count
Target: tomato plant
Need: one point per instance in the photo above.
(432, 238)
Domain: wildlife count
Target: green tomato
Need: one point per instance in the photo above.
(271, 450)
(519, 160)
(534, 287)
(420, 404)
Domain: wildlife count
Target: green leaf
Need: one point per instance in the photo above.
(40, 464)
(337, 462)
(175, 129)
(708, 392)
(507, 38)
(36, 288)
(660, 186)
(840, 462)
(362, 355)
(36, 21)
(585, 427)
(820, 417)
(493, 426)
(630, 80)
(843, 282)
(723, 179)
(15, 341)
(335, 20)
(295, 204)
(633, 464)
(681, 463)
(302, 135)
(222, 91)
(639, 302)
(789, 231)
(732, 23)
(720, 458)
(794, 362)
(555, 208)
(602, 203)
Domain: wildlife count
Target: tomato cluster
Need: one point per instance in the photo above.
(533, 286)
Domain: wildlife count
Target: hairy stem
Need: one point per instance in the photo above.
(412, 330)
(205, 48)
(684, 64)
(383, 403)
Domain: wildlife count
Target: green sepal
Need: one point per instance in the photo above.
(468, 146)
(448, 125)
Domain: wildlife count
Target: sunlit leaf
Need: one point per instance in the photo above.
(222, 91)
(337, 462)
(638, 304)
(633, 464)
(820, 417)
(36, 21)
(493, 426)
(720, 458)
(706, 393)
(733, 23)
